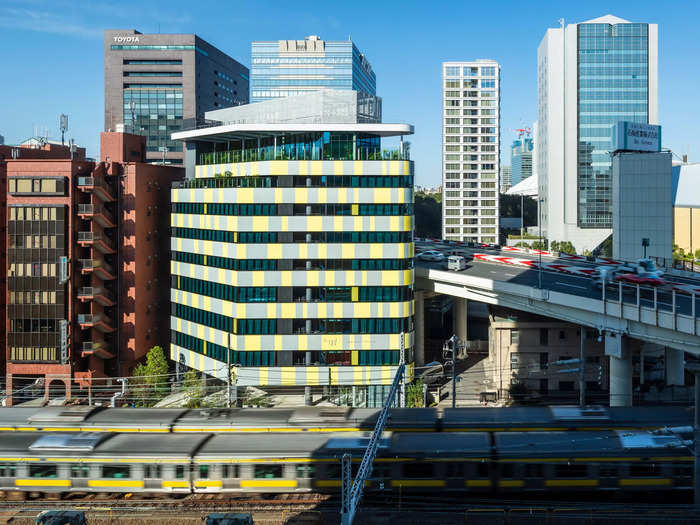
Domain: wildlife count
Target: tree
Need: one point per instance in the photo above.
(151, 378)
(192, 387)
(428, 211)
(510, 207)
(414, 395)
(537, 245)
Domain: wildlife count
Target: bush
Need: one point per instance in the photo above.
(518, 391)
(414, 395)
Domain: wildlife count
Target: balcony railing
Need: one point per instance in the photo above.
(89, 236)
(91, 292)
(89, 265)
(91, 183)
(96, 210)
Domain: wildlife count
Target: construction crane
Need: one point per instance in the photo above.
(523, 131)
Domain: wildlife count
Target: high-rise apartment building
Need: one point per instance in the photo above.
(84, 243)
(590, 76)
(292, 248)
(282, 68)
(471, 133)
(153, 82)
(521, 160)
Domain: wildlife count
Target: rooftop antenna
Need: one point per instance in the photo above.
(63, 124)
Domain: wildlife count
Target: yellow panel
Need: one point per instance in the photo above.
(288, 310)
(386, 375)
(394, 310)
(301, 195)
(362, 310)
(252, 342)
(261, 224)
(286, 278)
(338, 167)
(354, 357)
(303, 250)
(245, 195)
(314, 224)
(358, 167)
(571, 483)
(330, 276)
(644, 482)
(376, 251)
(303, 342)
(394, 167)
(312, 278)
(417, 482)
(312, 375)
(176, 484)
(511, 483)
(272, 310)
(253, 483)
(258, 278)
(329, 483)
(322, 195)
(334, 375)
(316, 167)
(42, 483)
(357, 371)
(288, 375)
(274, 251)
(343, 195)
(279, 167)
(207, 483)
(355, 294)
(383, 196)
(477, 483)
(322, 250)
(264, 376)
(114, 483)
(347, 250)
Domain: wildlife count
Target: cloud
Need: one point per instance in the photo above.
(43, 21)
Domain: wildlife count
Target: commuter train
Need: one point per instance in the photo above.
(465, 462)
(337, 419)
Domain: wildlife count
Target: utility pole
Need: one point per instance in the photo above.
(228, 372)
(582, 378)
(522, 217)
(539, 220)
(694, 368)
(402, 361)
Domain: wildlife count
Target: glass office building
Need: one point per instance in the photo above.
(292, 250)
(591, 75)
(613, 73)
(521, 160)
(292, 67)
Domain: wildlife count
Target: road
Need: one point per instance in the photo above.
(572, 284)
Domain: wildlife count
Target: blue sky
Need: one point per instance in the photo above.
(53, 55)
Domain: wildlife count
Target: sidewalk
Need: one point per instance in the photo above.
(472, 379)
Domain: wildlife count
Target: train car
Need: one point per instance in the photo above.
(587, 460)
(96, 462)
(563, 418)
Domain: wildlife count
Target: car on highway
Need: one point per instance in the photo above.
(431, 255)
(456, 263)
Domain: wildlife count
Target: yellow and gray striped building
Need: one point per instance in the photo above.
(292, 250)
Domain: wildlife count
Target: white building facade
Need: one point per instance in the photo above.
(590, 75)
(471, 136)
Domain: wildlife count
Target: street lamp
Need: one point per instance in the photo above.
(452, 344)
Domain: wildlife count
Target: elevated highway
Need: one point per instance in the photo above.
(667, 316)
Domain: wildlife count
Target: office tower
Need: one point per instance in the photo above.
(84, 264)
(506, 178)
(521, 159)
(292, 250)
(282, 68)
(471, 133)
(590, 76)
(154, 82)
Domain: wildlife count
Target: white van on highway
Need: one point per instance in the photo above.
(456, 263)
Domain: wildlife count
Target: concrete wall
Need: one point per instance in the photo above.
(642, 205)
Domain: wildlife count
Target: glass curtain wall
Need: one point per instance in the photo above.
(613, 86)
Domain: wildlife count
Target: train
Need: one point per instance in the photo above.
(456, 462)
(338, 419)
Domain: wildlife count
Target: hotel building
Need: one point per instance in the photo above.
(292, 247)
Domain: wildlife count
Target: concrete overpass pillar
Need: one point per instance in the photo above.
(419, 326)
(675, 366)
(460, 318)
(620, 372)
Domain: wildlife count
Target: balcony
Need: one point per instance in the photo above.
(103, 270)
(97, 212)
(97, 240)
(91, 293)
(97, 186)
(101, 322)
(98, 348)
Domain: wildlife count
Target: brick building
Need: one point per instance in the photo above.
(81, 304)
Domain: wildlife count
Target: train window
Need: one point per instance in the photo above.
(305, 471)
(648, 469)
(152, 471)
(8, 471)
(203, 471)
(381, 471)
(180, 472)
(79, 471)
(418, 470)
(507, 470)
(533, 471)
(482, 470)
(333, 471)
(116, 471)
(608, 471)
(43, 471)
(230, 471)
(682, 471)
(267, 471)
(455, 470)
(571, 471)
